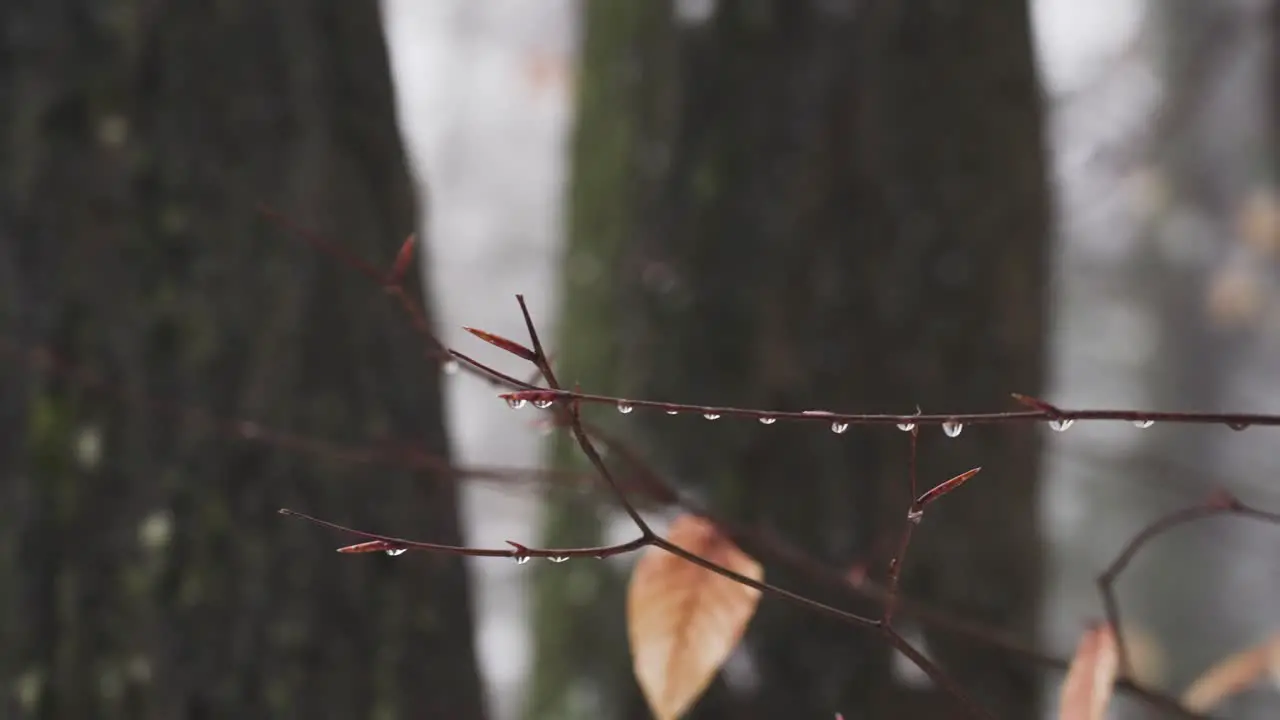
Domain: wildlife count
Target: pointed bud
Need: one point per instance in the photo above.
(510, 346)
(401, 265)
(372, 546)
(944, 488)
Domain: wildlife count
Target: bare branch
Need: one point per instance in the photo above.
(1218, 503)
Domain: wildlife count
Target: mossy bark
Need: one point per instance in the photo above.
(828, 206)
(580, 667)
(153, 578)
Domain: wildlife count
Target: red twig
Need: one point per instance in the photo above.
(914, 514)
(646, 483)
(569, 415)
(1235, 421)
(574, 421)
(777, 547)
(517, 551)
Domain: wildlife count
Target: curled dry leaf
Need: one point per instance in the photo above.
(684, 620)
(1086, 691)
(1233, 674)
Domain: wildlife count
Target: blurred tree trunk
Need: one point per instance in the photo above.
(157, 581)
(814, 205)
(1193, 143)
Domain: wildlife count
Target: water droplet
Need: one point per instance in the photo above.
(838, 427)
(599, 557)
(768, 420)
(396, 551)
(952, 428)
(1061, 424)
(1238, 426)
(625, 407)
(711, 416)
(673, 412)
(1143, 424)
(450, 367)
(906, 427)
(521, 559)
(515, 403)
(543, 404)
(558, 558)
(914, 515)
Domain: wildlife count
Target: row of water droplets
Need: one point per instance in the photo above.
(951, 428)
(522, 559)
(515, 403)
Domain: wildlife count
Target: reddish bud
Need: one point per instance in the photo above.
(371, 546)
(401, 264)
(857, 575)
(1036, 404)
(510, 346)
(1220, 499)
(944, 488)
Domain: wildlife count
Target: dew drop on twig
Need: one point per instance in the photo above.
(558, 558)
(768, 420)
(711, 416)
(1238, 426)
(906, 427)
(1143, 424)
(952, 428)
(521, 559)
(672, 411)
(838, 427)
(1061, 424)
(543, 404)
(515, 403)
(395, 551)
(625, 407)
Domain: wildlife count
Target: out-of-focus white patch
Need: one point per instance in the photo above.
(903, 669)
(156, 530)
(27, 687)
(695, 12)
(1078, 40)
(87, 447)
(740, 671)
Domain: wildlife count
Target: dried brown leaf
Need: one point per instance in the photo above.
(683, 620)
(1232, 675)
(1086, 691)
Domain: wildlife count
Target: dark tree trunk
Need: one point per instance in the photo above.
(823, 205)
(137, 141)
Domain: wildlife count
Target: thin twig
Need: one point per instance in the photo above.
(783, 551)
(584, 442)
(1235, 421)
(914, 515)
(517, 551)
(574, 421)
(1218, 503)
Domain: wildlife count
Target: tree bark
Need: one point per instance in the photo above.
(137, 141)
(830, 206)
